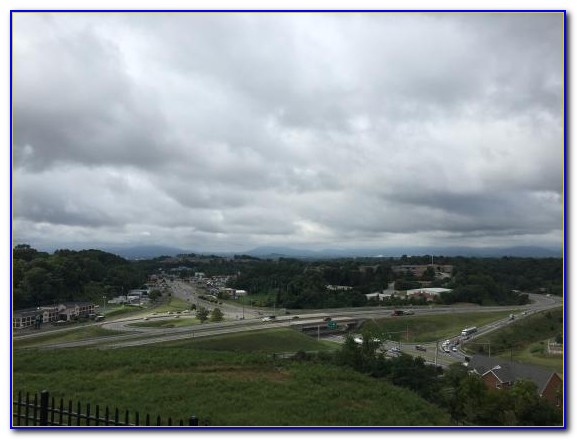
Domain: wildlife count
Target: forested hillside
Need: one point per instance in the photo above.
(43, 278)
(40, 278)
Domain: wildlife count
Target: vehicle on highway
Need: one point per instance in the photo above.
(469, 331)
(268, 318)
(295, 317)
(359, 340)
(420, 348)
(328, 318)
(402, 312)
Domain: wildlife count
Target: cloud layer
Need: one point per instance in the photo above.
(228, 131)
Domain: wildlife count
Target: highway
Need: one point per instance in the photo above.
(134, 336)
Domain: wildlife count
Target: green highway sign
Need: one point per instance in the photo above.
(332, 325)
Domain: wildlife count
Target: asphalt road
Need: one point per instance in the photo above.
(132, 336)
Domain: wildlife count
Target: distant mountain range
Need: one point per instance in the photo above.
(144, 252)
(148, 252)
(519, 251)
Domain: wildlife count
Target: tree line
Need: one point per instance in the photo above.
(41, 278)
(296, 283)
(65, 275)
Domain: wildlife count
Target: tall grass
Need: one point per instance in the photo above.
(243, 389)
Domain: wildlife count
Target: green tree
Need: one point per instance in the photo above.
(202, 314)
(471, 395)
(154, 295)
(530, 409)
(216, 315)
(429, 274)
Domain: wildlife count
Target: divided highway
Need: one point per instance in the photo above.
(253, 320)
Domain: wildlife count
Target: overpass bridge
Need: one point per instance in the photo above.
(327, 325)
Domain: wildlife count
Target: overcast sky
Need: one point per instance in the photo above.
(223, 132)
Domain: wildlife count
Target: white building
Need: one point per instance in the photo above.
(428, 293)
(380, 296)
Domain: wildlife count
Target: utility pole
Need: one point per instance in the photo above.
(436, 352)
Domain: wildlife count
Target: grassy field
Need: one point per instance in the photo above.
(119, 311)
(167, 323)
(256, 300)
(77, 333)
(534, 354)
(429, 328)
(172, 305)
(280, 340)
(223, 388)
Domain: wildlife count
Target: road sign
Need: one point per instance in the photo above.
(332, 325)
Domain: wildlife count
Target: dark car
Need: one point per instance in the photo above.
(328, 318)
(420, 348)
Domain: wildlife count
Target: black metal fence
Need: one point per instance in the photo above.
(45, 411)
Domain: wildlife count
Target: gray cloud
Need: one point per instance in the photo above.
(216, 130)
